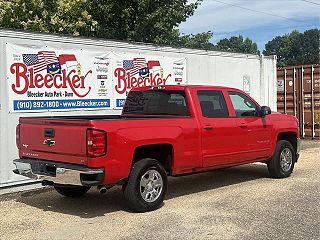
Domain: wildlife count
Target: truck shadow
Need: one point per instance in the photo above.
(93, 204)
(189, 184)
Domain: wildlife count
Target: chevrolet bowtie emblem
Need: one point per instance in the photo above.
(49, 142)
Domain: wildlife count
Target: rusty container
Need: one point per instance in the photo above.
(298, 94)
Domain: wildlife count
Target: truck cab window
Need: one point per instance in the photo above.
(243, 106)
(157, 102)
(213, 104)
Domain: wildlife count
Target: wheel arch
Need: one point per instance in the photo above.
(161, 152)
(290, 137)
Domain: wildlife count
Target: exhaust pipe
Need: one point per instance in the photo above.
(47, 183)
(102, 190)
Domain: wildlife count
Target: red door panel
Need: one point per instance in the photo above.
(220, 134)
(256, 130)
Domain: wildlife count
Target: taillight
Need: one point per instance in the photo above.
(18, 136)
(96, 143)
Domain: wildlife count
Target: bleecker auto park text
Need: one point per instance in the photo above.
(49, 94)
(24, 81)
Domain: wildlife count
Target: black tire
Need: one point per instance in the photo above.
(276, 169)
(71, 191)
(132, 189)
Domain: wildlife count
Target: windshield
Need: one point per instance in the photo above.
(157, 102)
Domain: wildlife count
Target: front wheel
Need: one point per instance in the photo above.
(282, 162)
(146, 186)
(71, 191)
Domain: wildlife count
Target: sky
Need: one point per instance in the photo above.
(260, 20)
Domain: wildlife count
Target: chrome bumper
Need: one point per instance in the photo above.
(58, 173)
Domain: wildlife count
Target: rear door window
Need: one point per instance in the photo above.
(213, 104)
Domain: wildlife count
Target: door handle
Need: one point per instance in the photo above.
(208, 127)
(243, 125)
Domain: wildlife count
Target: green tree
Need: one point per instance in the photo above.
(237, 44)
(199, 41)
(311, 46)
(135, 20)
(295, 48)
(60, 16)
(140, 20)
(151, 21)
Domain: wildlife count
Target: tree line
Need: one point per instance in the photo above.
(146, 21)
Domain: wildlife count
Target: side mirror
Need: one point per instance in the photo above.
(265, 110)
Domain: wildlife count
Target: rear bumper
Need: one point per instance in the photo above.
(58, 173)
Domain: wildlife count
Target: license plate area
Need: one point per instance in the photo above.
(44, 169)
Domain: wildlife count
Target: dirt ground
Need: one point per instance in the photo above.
(235, 203)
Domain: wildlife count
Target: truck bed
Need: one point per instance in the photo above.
(97, 117)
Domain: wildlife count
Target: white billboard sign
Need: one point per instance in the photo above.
(50, 79)
(136, 70)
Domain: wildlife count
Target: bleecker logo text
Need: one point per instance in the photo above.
(126, 81)
(24, 81)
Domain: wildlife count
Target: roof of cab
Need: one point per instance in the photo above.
(183, 87)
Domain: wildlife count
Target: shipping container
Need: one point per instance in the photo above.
(298, 94)
(49, 56)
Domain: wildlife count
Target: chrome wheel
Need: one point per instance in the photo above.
(286, 159)
(151, 185)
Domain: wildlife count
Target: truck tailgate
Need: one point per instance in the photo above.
(57, 140)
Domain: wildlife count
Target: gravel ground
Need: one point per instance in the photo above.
(235, 203)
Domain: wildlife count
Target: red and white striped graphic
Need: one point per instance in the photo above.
(43, 58)
(138, 63)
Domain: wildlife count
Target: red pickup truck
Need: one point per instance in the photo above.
(162, 131)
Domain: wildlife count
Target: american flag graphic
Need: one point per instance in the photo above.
(133, 66)
(39, 62)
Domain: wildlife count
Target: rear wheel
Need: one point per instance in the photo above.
(146, 186)
(282, 163)
(71, 191)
